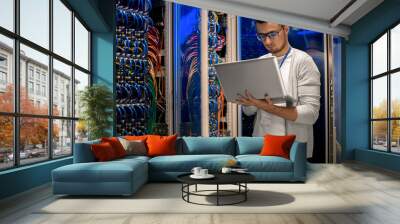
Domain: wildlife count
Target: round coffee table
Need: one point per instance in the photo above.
(238, 179)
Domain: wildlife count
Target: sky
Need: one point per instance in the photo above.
(34, 26)
(379, 59)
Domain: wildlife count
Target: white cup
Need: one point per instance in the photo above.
(203, 172)
(226, 170)
(196, 171)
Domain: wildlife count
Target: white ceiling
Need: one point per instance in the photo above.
(319, 15)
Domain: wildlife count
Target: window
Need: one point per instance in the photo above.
(3, 61)
(38, 89)
(3, 78)
(43, 90)
(45, 131)
(62, 29)
(62, 140)
(385, 94)
(35, 21)
(6, 73)
(37, 74)
(81, 81)
(30, 87)
(81, 45)
(62, 74)
(30, 72)
(3, 72)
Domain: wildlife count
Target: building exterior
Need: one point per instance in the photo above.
(34, 80)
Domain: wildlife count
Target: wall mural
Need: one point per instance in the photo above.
(140, 92)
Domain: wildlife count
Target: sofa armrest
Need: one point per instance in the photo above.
(83, 152)
(298, 157)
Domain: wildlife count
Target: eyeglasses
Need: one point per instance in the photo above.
(271, 35)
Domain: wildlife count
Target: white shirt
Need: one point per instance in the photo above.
(301, 79)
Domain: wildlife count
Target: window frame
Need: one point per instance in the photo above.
(16, 114)
(388, 74)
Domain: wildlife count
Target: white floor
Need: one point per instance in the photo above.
(377, 189)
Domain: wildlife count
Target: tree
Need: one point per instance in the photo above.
(33, 131)
(97, 103)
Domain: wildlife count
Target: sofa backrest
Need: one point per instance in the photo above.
(206, 145)
(83, 153)
(190, 146)
(249, 145)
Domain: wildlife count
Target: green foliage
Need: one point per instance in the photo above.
(97, 103)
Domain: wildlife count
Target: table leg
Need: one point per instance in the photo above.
(188, 190)
(217, 194)
(245, 193)
(196, 188)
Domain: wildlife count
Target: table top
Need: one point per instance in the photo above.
(220, 178)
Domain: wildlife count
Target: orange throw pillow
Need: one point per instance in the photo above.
(277, 145)
(161, 145)
(103, 152)
(116, 145)
(136, 138)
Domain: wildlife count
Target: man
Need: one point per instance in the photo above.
(301, 79)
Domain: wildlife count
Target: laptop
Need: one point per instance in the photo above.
(260, 76)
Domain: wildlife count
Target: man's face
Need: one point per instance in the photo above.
(273, 43)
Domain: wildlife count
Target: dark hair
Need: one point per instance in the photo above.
(260, 21)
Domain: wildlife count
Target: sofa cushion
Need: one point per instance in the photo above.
(134, 137)
(249, 145)
(277, 145)
(132, 158)
(134, 147)
(161, 145)
(185, 163)
(103, 152)
(112, 171)
(116, 145)
(208, 145)
(257, 163)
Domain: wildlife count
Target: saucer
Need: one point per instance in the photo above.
(208, 176)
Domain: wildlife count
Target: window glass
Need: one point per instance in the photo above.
(62, 91)
(62, 28)
(34, 144)
(395, 136)
(379, 56)
(379, 98)
(6, 142)
(39, 61)
(81, 81)
(395, 95)
(35, 21)
(81, 45)
(6, 74)
(395, 47)
(62, 138)
(7, 14)
(81, 131)
(379, 135)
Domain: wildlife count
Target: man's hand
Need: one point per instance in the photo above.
(288, 113)
(249, 100)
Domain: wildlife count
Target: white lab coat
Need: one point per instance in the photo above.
(301, 79)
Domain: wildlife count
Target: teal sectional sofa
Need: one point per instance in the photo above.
(125, 176)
